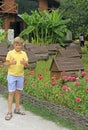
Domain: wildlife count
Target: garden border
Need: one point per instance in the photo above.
(78, 120)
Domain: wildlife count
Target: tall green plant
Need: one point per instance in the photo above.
(44, 27)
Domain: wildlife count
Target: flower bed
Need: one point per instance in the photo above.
(68, 91)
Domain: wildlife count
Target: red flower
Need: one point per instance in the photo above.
(64, 87)
(73, 78)
(87, 89)
(78, 99)
(25, 83)
(86, 79)
(84, 73)
(70, 78)
(77, 83)
(40, 76)
(31, 72)
(54, 83)
(64, 77)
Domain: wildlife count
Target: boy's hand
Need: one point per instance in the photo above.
(23, 62)
(13, 62)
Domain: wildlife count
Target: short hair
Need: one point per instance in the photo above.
(18, 40)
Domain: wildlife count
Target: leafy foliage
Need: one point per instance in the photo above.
(44, 27)
(77, 11)
(3, 73)
(2, 32)
(0, 23)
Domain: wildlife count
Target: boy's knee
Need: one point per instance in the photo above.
(11, 93)
(18, 91)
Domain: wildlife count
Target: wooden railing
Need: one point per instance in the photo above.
(8, 7)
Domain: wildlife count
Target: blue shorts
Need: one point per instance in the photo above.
(15, 82)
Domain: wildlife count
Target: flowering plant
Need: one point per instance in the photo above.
(68, 91)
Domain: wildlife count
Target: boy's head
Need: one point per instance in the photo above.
(18, 43)
(18, 40)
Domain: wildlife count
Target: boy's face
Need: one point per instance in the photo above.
(17, 46)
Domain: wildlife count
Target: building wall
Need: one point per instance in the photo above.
(12, 1)
(43, 4)
(9, 10)
(6, 21)
(8, 5)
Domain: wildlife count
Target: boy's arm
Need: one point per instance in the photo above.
(26, 65)
(8, 63)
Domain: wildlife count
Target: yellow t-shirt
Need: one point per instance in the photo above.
(18, 69)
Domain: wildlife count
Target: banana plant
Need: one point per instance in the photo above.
(44, 27)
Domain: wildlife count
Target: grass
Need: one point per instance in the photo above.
(48, 115)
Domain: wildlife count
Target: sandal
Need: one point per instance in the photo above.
(8, 116)
(19, 112)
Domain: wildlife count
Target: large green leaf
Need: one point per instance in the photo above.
(27, 31)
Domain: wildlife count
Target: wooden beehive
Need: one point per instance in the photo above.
(52, 48)
(71, 52)
(29, 46)
(32, 59)
(77, 47)
(70, 66)
(41, 52)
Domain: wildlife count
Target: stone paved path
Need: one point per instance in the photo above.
(29, 121)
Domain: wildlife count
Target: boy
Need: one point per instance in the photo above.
(16, 61)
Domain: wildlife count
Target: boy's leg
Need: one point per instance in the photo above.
(17, 98)
(10, 101)
(19, 87)
(17, 107)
